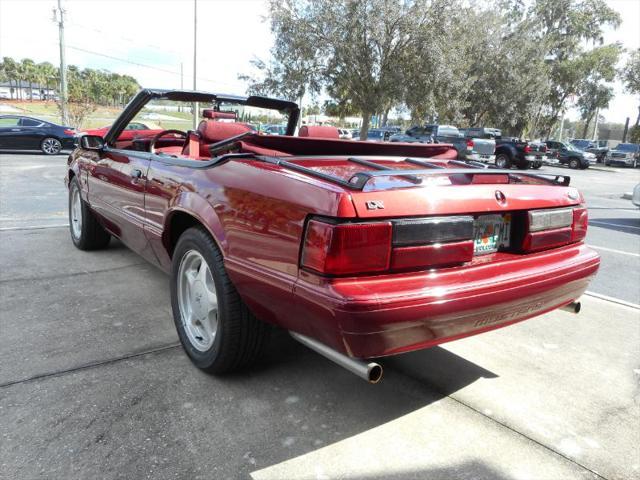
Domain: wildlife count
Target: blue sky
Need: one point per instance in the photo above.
(159, 33)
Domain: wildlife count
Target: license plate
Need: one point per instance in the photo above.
(485, 157)
(491, 232)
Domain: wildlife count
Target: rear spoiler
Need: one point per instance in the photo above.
(359, 180)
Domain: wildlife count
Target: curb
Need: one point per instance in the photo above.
(627, 195)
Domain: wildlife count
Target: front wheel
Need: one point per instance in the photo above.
(503, 161)
(86, 232)
(50, 146)
(216, 329)
(574, 163)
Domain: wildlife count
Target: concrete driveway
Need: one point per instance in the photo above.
(93, 384)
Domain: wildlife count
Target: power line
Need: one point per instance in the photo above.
(130, 40)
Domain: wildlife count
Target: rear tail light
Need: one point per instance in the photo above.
(470, 144)
(548, 219)
(555, 227)
(341, 249)
(544, 149)
(353, 248)
(69, 132)
(527, 149)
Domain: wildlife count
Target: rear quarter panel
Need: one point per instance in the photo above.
(255, 212)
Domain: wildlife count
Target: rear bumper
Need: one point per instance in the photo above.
(378, 316)
(478, 157)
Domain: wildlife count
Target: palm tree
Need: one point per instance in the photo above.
(10, 68)
(29, 71)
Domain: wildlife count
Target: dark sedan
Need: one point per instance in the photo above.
(26, 133)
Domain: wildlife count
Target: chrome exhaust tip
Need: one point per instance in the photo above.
(573, 307)
(371, 371)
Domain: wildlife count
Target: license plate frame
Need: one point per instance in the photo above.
(491, 233)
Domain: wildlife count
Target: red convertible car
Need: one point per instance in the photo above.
(359, 249)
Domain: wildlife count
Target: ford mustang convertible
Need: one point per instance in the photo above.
(359, 249)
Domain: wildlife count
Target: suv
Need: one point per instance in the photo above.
(436, 134)
(625, 154)
(597, 147)
(568, 154)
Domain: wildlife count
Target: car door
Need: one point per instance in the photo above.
(31, 134)
(116, 191)
(9, 132)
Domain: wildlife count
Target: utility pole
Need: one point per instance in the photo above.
(561, 127)
(181, 82)
(195, 58)
(595, 127)
(63, 65)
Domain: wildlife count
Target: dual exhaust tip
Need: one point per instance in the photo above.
(370, 371)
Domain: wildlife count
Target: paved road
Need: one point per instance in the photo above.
(93, 383)
(32, 194)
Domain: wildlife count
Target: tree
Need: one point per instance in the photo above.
(595, 97)
(564, 27)
(630, 75)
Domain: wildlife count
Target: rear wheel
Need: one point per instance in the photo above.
(216, 328)
(574, 163)
(86, 232)
(503, 160)
(50, 146)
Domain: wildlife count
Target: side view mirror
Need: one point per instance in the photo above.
(92, 142)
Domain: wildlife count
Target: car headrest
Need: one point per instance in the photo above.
(319, 131)
(216, 115)
(212, 131)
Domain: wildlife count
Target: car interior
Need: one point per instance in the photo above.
(219, 133)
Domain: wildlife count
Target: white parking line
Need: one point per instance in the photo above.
(621, 225)
(612, 299)
(612, 250)
(33, 227)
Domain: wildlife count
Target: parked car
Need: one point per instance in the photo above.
(598, 147)
(274, 129)
(344, 133)
(567, 154)
(326, 238)
(512, 151)
(483, 144)
(27, 133)
(133, 129)
(436, 134)
(625, 154)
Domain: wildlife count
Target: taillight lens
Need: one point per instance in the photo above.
(470, 144)
(343, 249)
(527, 149)
(580, 224)
(555, 227)
(69, 132)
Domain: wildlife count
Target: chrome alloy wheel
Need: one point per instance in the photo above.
(197, 300)
(51, 146)
(76, 213)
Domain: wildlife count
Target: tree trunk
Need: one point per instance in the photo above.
(585, 129)
(364, 131)
(385, 117)
(638, 118)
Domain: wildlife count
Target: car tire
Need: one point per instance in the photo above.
(215, 327)
(536, 165)
(86, 232)
(503, 161)
(50, 146)
(574, 163)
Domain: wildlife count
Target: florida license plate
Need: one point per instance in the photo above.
(491, 232)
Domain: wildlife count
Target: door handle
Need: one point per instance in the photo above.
(135, 173)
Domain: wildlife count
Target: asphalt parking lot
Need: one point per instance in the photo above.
(93, 383)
